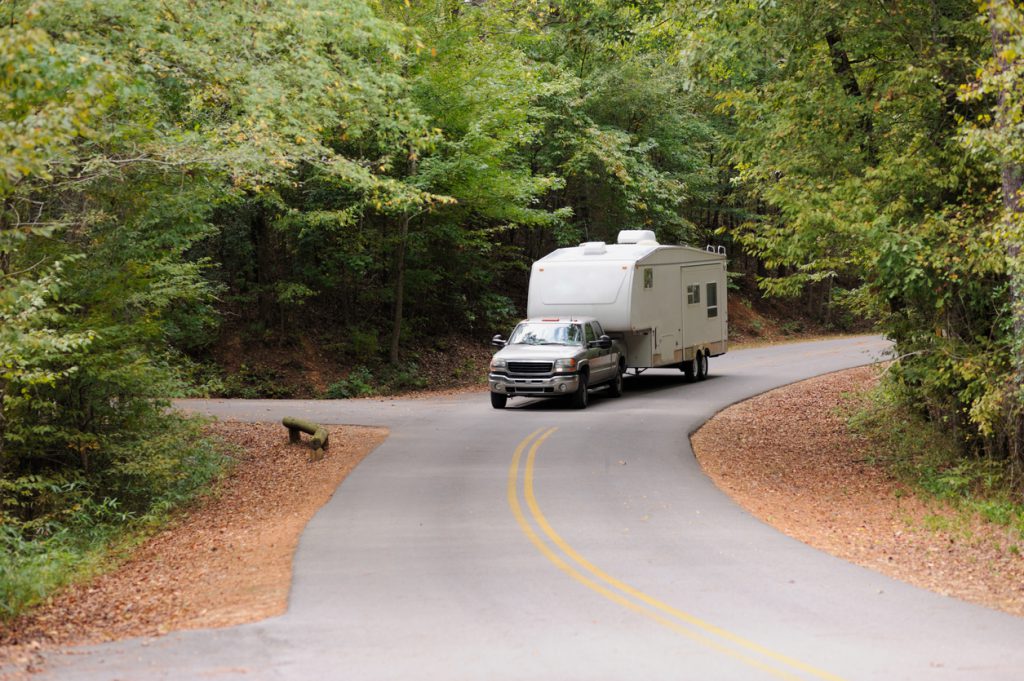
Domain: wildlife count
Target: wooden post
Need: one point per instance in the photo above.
(319, 434)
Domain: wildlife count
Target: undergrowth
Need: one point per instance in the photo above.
(383, 380)
(83, 531)
(921, 455)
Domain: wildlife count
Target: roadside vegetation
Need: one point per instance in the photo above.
(920, 454)
(318, 197)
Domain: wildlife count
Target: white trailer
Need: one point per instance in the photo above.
(666, 304)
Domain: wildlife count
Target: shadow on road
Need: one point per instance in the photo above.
(647, 383)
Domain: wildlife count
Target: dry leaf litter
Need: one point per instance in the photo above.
(226, 561)
(788, 458)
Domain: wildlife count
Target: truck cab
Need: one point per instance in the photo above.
(555, 357)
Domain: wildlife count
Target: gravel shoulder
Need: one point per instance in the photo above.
(225, 561)
(789, 459)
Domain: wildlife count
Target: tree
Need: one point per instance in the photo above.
(847, 123)
(1000, 135)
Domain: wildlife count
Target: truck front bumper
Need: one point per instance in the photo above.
(548, 386)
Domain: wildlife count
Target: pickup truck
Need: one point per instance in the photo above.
(555, 357)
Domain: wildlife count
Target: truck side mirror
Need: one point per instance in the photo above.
(498, 341)
(605, 342)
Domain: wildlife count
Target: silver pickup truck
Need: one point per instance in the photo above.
(555, 357)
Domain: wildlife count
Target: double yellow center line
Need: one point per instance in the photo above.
(569, 561)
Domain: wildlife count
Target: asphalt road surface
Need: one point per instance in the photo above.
(546, 543)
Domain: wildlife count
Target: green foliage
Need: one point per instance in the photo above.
(403, 378)
(57, 523)
(358, 383)
(920, 454)
(361, 169)
(256, 381)
(849, 124)
(30, 570)
(384, 380)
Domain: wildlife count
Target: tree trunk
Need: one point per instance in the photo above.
(843, 69)
(396, 325)
(5, 269)
(412, 166)
(259, 234)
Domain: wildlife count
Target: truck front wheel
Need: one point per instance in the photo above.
(498, 400)
(580, 397)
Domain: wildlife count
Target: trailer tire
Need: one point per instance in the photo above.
(689, 368)
(702, 366)
(580, 397)
(498, 400)
(615, 387)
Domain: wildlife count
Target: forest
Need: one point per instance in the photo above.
(375, 176)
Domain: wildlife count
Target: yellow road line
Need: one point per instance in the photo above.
(654, 607)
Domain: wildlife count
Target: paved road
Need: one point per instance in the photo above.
(543, 543)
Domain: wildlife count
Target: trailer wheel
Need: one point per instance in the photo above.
(702, 366)
(580, 397)
(689, 368)
(498, 400)
(615, 387)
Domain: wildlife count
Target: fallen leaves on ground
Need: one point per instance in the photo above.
(788, 457)
(226, 561)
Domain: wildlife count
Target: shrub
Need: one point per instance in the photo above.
(358, 383)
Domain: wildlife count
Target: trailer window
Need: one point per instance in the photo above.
(693, 294)
(712, 300)
(648, 277)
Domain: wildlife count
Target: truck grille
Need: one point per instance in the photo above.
(529, 368)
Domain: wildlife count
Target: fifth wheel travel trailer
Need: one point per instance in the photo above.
(665, 304)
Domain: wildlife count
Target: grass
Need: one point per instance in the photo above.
(928, 460)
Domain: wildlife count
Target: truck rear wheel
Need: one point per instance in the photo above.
(580, 397)
(498, 400)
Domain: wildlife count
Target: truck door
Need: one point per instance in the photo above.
(600, 358)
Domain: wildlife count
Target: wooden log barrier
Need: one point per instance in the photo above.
(318, 432)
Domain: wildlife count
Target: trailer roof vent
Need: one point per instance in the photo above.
(594, 248)
(637, 236)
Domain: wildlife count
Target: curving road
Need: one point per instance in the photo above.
(544, 543)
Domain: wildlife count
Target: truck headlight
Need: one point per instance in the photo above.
(498, 364)
(565, 365)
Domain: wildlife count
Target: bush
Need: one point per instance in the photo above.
(58, 523)
(358, 383)
(920, 453)
(255, 382)
(403, 377)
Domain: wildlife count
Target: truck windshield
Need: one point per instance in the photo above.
(547, 334)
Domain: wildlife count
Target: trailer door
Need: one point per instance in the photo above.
(703, 303)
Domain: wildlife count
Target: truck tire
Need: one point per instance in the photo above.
(615, 387)
(580, 397)
(498, 400)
